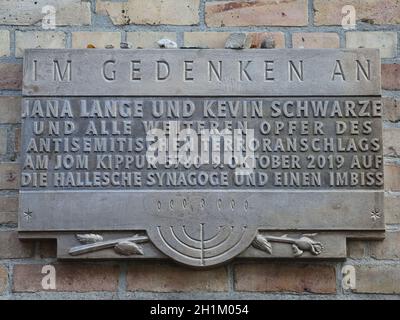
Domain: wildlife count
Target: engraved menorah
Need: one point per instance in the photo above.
(196, 247)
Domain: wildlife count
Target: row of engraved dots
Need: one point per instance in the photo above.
(174, 204)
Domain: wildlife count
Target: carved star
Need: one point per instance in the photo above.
(375, 214)
(28, 214)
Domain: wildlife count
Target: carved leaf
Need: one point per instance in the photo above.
(261, 243)
(310, 235)
(296, 251)
(128, 248)
(89, 238)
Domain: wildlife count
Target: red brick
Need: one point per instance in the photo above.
(267, 277)
(315, 40)
(329, 12)
(150, 12)
(13, 248)
(391, 76)
(10, 76)
(165, 277)
(69, 278)
(256, 13)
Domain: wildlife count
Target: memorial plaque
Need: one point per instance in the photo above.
(201, 155)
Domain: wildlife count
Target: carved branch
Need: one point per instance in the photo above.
(121, 246)
(300, 245)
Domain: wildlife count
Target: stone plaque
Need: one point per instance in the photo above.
(201, 155)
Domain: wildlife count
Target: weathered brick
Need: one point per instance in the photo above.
(392, 209)
(47, 249)
(386, 42)
(10, 109)
(218, 39)
(69, 278)
(8, 209)
(9, 175)
(182, 12)
(258, 37)
(391, 76)
(148, 39)
(388, 248)
(256, 13)
(11, 76)
(3, 279)
(38, 39)
(315, 40)
(328, 12)
(23, 12)
(13, 248)
(391, 142)
(392, 177)
(378, 279)
(98, 39)
(391, 109)
(269, 277)
(357, 249)
(164, 277)
(205, 39)
(17, 139)
(3, 140)
(4, 43)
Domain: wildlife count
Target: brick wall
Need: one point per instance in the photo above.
(196, 23)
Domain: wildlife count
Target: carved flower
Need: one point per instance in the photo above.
(307, 244)
(316, 248)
